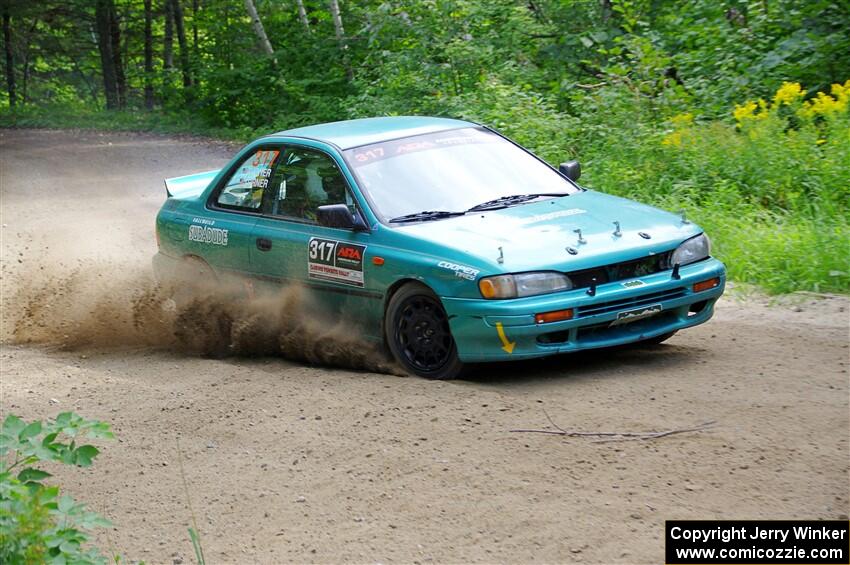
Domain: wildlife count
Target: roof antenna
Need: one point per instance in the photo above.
(617, 232)
(685, 219)
(501, 258)
(581, 240)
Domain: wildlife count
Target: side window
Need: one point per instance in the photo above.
(305, 180)
(245, 188)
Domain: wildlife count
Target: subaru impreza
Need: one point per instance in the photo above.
(442, 240)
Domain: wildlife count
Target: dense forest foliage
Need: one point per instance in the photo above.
(734, 110)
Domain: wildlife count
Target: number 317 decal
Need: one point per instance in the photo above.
(335, 261)
(322, 250)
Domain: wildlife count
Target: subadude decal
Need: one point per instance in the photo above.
(335, 261)
(206, 233)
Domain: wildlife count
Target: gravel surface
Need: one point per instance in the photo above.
(291, 462)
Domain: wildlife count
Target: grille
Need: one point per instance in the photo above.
(604, 331)
(635, 301)
(621, 271)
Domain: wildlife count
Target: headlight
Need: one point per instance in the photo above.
(693, 250)
(523, 284)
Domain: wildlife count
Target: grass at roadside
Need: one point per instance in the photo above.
(773, 200)
(780, 253)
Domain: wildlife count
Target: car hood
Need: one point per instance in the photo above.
(537, 235)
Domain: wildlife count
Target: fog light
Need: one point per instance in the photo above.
(556, 316)
(706, 285)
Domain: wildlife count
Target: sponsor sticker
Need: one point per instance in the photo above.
(460, 271)
(335, 261)
(378, 152)
(553, 216)
(206, 234)
(633, 284)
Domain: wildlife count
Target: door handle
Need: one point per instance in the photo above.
(264, 244)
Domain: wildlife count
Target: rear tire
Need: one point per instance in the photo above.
(417, 333)
(192, 277)
(202, 321)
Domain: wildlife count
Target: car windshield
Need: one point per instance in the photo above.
(444, 174)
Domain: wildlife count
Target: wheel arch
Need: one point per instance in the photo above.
(193, 257)
(195, 261)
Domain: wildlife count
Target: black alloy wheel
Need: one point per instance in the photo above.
(418, 333)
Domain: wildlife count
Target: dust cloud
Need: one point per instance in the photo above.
(97, 305)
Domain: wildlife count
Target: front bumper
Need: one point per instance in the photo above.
(490, 330)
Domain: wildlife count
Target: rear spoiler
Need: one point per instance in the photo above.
(189, 186)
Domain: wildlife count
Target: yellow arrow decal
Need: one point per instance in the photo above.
(508, 346)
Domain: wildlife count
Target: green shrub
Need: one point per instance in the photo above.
(37, 524)
(772, 190)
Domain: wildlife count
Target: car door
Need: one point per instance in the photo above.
(291, 247)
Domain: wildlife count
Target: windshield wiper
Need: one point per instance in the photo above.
(505, 201)
(426, 215)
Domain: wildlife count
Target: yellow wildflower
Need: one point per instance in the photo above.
(788, 93)
(747, 111)
(824, 104)
(673, 139)
(681, 125)
(682, 120)
(744, 112)
(841, 92)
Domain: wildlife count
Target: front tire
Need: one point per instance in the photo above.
(417, 331)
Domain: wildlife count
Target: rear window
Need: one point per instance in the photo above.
(245, 188)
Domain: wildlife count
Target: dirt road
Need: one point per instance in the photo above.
(287, 462)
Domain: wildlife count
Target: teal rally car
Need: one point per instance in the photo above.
(443, 240)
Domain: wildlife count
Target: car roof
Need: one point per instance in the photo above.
(365, 131)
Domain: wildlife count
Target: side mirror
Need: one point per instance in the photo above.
(339, 216)
(570, 169)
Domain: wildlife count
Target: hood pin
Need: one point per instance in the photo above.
(644, 235)
(501, 258)
(617, 232)
(675, 274)
(581, 240)
(572, 250)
